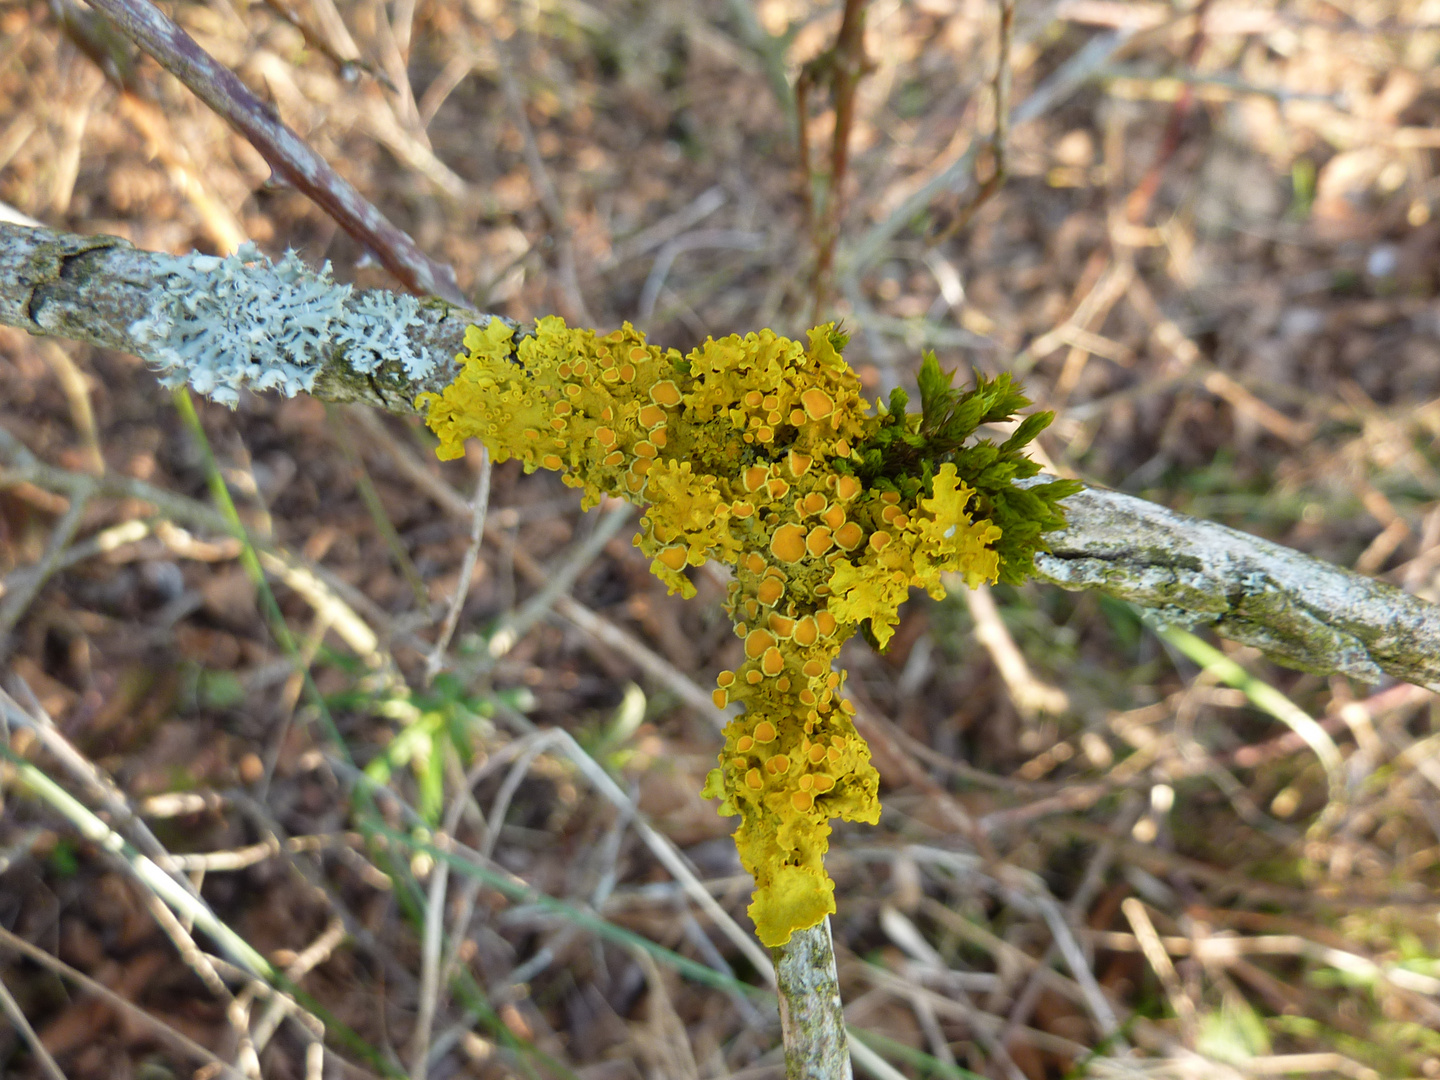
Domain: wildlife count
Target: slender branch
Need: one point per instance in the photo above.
(842, 66)
(1301, 610)
(481, 503)
(959, 175)
(288, 154)
(999, 138)
(98, 289)
(811, 1018)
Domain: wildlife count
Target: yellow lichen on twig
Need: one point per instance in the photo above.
(744, 451)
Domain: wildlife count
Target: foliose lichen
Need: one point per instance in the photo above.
(221, 324)
(760, 452)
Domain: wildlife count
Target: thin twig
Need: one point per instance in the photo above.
(1030, 695)
(906, 934)
(1137, 205)
(596, 627)
(430, 943)
(480, 507)
(999, 138)
(557, 583)
(101, 543)
(371, 498)
(770, 48)
(1266, 697)
(100, 787)
(842, 66)
(1159, 959)
(957, 176)
(337, 47)
(151, 876)
(664, 849)
(76, 387)
(288, 154)
(15, 603)
(602, 630)
(570, 292)
(734, 239)
(48, 1065)
(1095, 999)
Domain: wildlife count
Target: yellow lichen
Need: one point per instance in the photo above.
(740, 452)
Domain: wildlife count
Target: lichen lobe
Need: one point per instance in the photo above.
(744, 451)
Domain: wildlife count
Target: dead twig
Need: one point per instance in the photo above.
(1030, 695)
(480, 507)
(164, 1031)
(11, 1008)
(288, 154)
(841, 67)
(999, 138)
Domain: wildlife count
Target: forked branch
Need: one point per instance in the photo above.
(1301, 610)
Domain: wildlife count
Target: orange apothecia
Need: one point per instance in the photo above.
(752, 451)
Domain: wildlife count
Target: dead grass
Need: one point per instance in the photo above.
(1215, 258)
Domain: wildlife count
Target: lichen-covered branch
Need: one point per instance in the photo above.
(1299, 609)
(811, 1016)
(223, 323)
(1302, 611)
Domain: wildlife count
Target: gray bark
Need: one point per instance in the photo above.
(816, 1044)
(96, 289)
(1302, 611)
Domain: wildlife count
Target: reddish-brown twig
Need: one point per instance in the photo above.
(288, 154)
(1137, 205)
(842, 66)
(999, 138)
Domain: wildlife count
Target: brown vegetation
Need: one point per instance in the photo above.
(1214, 255)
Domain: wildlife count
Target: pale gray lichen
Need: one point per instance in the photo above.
(374, 331)
(1167, 616)
(221, 324)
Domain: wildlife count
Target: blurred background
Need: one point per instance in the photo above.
(1103, 852)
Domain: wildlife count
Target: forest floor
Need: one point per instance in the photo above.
(1214, 256)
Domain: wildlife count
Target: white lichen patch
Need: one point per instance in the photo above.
(374, 331)
(222, 324)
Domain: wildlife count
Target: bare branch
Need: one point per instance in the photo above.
(1303, 611)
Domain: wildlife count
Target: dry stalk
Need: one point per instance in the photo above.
(841, 66)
